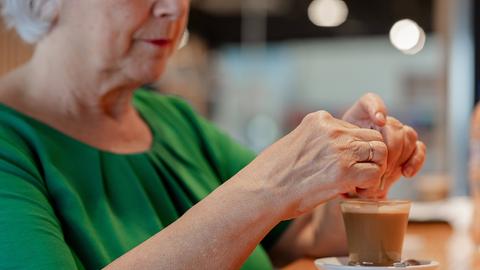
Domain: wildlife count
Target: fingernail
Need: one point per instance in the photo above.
(408, 172)
(380, 117)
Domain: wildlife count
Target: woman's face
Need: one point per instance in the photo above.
(129, 38)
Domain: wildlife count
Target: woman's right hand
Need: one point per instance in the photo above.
(322, 158)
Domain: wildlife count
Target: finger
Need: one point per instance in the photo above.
(409, 144)
(392, 121)
(413, 135)
(371, 151)
(365, 134)
(415, 162)
(375, 107)
(365, 175)
(393, 139)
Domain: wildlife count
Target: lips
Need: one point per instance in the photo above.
(159, 42)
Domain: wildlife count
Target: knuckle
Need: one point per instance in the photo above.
(323, 115)
(316, 117)
(334, 133)
(354, 150)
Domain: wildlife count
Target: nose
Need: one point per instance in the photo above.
(168, 9)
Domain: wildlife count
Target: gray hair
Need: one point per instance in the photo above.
(31, 18)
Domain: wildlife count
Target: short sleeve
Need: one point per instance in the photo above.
(229, 158)
(30, 234)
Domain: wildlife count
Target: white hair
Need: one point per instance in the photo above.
(31, 18)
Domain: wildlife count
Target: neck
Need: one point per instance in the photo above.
(76, 97)
(61, 80)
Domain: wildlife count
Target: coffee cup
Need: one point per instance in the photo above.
(375, 230)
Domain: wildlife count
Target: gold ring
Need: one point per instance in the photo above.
(371, 153)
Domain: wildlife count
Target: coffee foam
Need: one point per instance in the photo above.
(375, 208)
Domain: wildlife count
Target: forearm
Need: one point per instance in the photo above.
(219, 232)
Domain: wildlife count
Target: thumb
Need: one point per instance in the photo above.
(374, 106)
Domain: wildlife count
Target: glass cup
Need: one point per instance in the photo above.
(375, 230)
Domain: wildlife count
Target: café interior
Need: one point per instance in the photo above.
(256, 68)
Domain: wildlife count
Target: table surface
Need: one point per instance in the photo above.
(453, 249)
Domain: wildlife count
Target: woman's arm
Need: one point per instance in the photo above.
(219, 232)
(319, 160)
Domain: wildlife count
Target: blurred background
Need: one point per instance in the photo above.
(257, 67)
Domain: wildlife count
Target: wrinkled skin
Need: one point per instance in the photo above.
(321, 232)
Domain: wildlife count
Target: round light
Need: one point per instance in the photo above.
(327, 13)
(407, 36)
(419, 46)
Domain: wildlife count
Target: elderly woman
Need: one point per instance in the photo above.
(95, 174)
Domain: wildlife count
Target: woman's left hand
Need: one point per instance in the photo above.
(406, 154)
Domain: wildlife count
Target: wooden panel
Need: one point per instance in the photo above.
(13, 51)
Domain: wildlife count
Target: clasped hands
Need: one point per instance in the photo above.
(405, 153)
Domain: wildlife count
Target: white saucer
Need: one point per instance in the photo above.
(341, 263)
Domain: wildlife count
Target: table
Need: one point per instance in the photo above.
(452, 248)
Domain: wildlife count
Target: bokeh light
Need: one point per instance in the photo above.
(327, 13)
(407, 36)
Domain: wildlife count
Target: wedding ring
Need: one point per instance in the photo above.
(371, 152)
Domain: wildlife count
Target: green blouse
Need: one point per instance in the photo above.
(67, 205)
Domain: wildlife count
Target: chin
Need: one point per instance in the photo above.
(146, 73)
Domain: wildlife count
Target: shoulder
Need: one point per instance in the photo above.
(15, 129)
(18, 147)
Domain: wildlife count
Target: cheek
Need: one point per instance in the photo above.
(120, 25)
